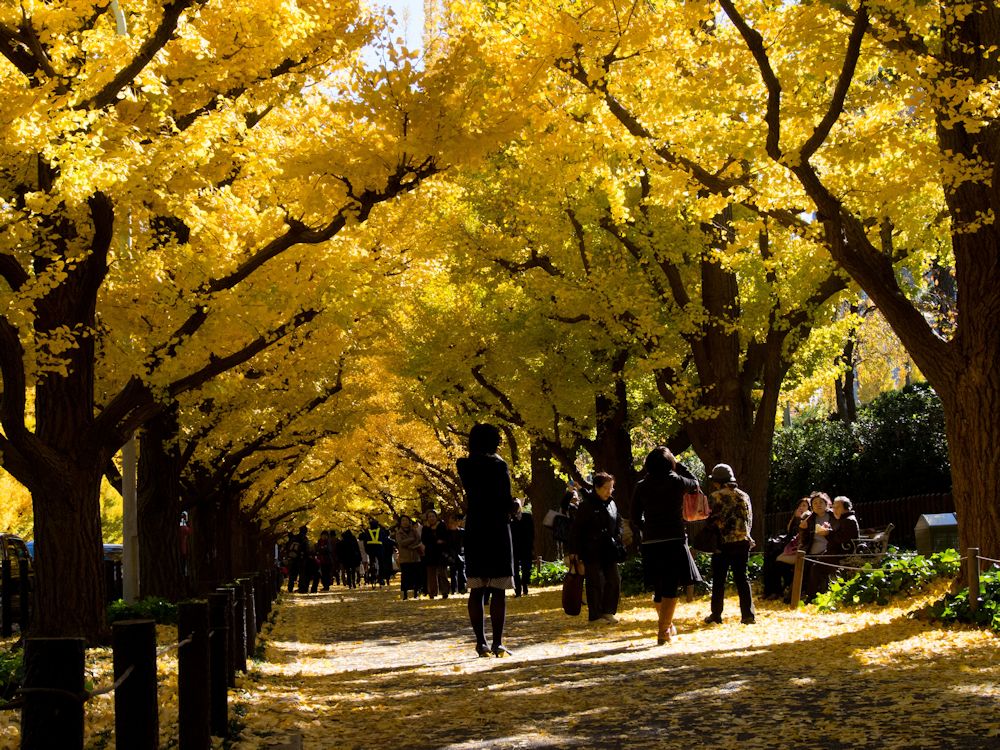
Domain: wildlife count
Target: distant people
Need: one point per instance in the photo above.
(776, 573)
(489, 552)
(596, 538)
(522, 530)
(325, 555)
(410, 550)
(183, 537)
(436, 555)
(563, 522)
(296, 551)
(349, 555)
(373, 538)
(732, 514)
(658, 520)
(456, 545)
(839, 542)
(308, 566)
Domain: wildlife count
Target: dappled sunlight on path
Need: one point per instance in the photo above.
(364, 669)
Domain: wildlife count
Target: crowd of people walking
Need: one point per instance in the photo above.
(491, 548)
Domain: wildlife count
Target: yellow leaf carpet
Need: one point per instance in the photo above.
(364, 669)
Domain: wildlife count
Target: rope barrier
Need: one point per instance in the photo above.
(174, 646)
(12, 706)
(115, 685)
(987, 559)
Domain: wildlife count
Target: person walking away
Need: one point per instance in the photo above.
(308, 569)
(489, 551)
(349, 554)
(435, 540)
(732, 513)
(658, 522)
(325, 555)
(596, 539)
(410, 549)
(387, 555)
(456, 545)
(372, 540)
(299, 567)
(293, 556)
(522, 530)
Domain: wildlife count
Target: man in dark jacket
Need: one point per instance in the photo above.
(522, 532)
(596, 541)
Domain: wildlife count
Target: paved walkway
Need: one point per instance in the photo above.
(367, 670)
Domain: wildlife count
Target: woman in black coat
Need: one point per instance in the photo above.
(658, 516)
(489, 555)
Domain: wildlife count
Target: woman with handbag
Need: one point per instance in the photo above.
(596, 540)
(489, 553)
(658, 520)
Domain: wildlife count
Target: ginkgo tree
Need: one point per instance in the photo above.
(870, 126)
(160, 193)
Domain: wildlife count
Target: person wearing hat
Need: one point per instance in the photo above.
(732, 513)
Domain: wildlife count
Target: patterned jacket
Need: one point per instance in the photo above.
(732, 513)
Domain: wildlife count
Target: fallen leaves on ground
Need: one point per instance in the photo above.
(364, 669)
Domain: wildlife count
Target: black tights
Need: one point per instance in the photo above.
(477, 613)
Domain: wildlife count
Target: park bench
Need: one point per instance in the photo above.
(869, 548)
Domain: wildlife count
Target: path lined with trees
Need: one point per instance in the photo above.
(364, 669)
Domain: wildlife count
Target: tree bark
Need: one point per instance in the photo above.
(545, 490)
(611, 448)
(160, 562)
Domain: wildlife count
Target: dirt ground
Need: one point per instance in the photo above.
(363, 669)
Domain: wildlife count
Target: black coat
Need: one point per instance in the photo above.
(489, 505)
(845, 532)
(658, 505)
(595, 529)
(523, 532)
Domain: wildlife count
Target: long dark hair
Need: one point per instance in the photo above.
(659, 462)
(484, 439)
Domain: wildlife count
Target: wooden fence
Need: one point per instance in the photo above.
(215, 637)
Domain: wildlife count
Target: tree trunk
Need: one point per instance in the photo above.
(69, 593)
(545, 492)
(612, 447)
(160, 563)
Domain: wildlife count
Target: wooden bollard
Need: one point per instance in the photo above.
(137, 719)
(973, 563)
(6, 600)
(193, 661)
(230, 629)
(250, 613)
(239, 639)
(52, 716)
(800, 569)
(219, 645)
(259, 601)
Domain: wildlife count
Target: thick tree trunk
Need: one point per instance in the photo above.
(69, 594)
(160, 565)
(545, 492)
(972, 417)
(611, 449)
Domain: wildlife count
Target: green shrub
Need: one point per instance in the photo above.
(11, 672)
(955, 607)
(895, 449)
(150, 608)
(899, 573)
(549, 574)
